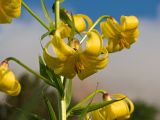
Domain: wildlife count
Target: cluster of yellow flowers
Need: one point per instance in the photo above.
(73, 58)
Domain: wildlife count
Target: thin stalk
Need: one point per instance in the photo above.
(63, 109)
(97, 21)
(34, 15)
(28, 69)
(85, 100)
(57, 13)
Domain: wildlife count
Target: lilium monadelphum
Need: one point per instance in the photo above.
(71, 59)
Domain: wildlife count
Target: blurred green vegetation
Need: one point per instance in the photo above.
(30, 103)
(143, 111)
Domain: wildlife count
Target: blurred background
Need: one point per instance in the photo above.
(133, 72)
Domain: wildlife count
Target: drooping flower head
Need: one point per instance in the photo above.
(122, 35)
(9, 9)
(71, 59)
(119, 110)
(8, 83)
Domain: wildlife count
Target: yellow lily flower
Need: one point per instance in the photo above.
(9, 9)
(119, 110)
(8, 83)
(122, 35)
(80, 22)
(72, 60)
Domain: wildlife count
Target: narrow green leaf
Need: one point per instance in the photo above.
(29, 114)
(50, 75)
(57, 80)
(47, 33)
(43, 71)
(42, 67)
(46, 14)
(69, 92)
(91, 107)
(49, 106)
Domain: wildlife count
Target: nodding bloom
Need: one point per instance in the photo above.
(8, 83)
(80, 22)
(71, 59)
(122, 35)
(9, 9)
(119, 110)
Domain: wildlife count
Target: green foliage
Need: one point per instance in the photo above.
(49, 106)
(144, 111)
(29, 104)
(50, 75)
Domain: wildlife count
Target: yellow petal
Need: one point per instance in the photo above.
(129, 22)
(107, 31)
(94, 44)
(97, 115)
(11, 7)
(114, 25)
(91, 64)
(80, 24)
(61, 49)
(65, 68)
(63, 31)
(52, 62)
(3, 17)
(9, 84)
(69, 68)
(14, 91)
(7, 80)
(125, 108)
(127, 100)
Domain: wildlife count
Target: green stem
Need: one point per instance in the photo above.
(28, 69)
(85, 100)
(63, 108)
(34, 15)
(57, 13)
(97, 21)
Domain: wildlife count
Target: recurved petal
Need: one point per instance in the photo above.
(92, 64)
(65, 68)
(97, 115)
(129, 22)
(52, 62)
(11, 7)
(61, 49)
(3, 17)
(63, 31)
(7, 80)
(69, 68)
(98, 62)
(115, 26)
(15, 90)
(88, 71)
(113, 46)
(80, 22)
(94, 44)
(107, 31)
(127, 101)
